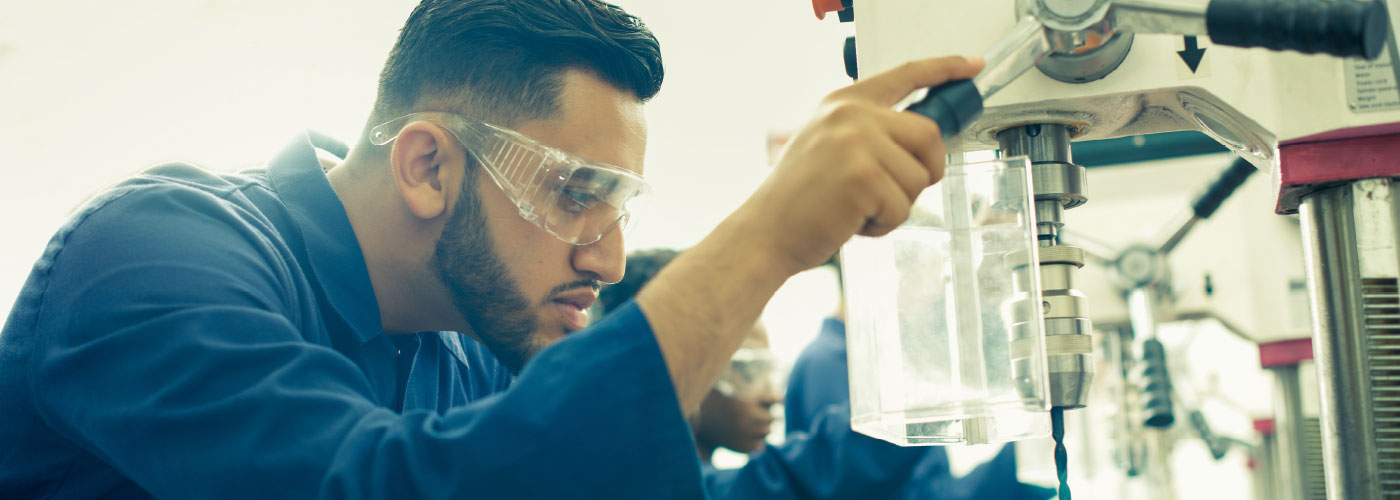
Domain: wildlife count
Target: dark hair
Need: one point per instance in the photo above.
(502, 60)
(642, 266)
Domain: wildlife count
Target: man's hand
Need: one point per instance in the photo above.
(855, 169)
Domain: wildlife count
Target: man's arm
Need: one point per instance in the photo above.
(855, 169)
(170, 344)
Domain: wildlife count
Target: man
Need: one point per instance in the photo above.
(282, 332)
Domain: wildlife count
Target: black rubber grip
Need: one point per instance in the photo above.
(1225, 185)
(952, 106)
(1346, 28)
(1217, 447)
(1156, 386)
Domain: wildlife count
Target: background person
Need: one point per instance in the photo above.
(737, 414)
(825, 460)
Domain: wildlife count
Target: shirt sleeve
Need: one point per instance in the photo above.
(169, 345)
(831, 461)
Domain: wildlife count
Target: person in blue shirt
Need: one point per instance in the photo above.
(737, 414)
(825, 459)
(411, 322)
(819, 382)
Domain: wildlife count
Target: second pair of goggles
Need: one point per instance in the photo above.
(749, 374)
(577, 200)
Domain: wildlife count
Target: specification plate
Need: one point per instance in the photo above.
(1371, 84)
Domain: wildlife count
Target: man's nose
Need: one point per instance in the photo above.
(606, 258)
(770, 397)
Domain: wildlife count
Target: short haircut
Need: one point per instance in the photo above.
(503, 60)
(642, 266)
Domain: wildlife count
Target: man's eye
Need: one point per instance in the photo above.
(575, 201)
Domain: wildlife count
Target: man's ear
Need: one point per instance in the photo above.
(428, 167)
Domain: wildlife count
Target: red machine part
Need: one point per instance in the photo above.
(822, 7)
(1285, 352)
(1264, 426)
(1310, 163)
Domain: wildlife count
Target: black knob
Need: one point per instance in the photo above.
(953, 105)
(1156, 386)
(849, 52)
(1341, 28)
(1225, 185)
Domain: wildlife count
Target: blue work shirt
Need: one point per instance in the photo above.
(827, 461)
(190, 334)
(818, 378)
(819, 387)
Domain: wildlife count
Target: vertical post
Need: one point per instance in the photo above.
(1351, 252)
(1290, 481)
(1265, 474)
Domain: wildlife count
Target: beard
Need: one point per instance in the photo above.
(482, 289)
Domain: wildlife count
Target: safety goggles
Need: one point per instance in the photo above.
(748, 376)
(577, 200)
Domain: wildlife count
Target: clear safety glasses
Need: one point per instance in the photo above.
(577, 200)
(748, 376)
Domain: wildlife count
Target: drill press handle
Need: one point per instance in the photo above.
(951, 105)
(1231, 179)
(1343, 29)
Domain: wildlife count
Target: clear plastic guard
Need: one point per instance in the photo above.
(943, 316)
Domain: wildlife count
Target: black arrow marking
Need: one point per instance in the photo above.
(1192, 55)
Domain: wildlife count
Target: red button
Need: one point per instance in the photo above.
(821, 7)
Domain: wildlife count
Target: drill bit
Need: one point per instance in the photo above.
(1057, 431)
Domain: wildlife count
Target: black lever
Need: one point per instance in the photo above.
(1222, 188)
(1208, 201)
(1341, 28)
(952, 105)
(1218, 447)
(1156, 385)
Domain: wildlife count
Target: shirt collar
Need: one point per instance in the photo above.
(335, 255)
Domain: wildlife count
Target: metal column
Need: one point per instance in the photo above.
(1290, 480)
(1352, 266)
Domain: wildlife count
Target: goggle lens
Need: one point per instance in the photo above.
(591, 202)
(748, 375)
(576, 200)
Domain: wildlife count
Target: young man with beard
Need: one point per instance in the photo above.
(285, 332)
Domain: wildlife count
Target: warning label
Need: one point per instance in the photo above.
(1371, 84)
